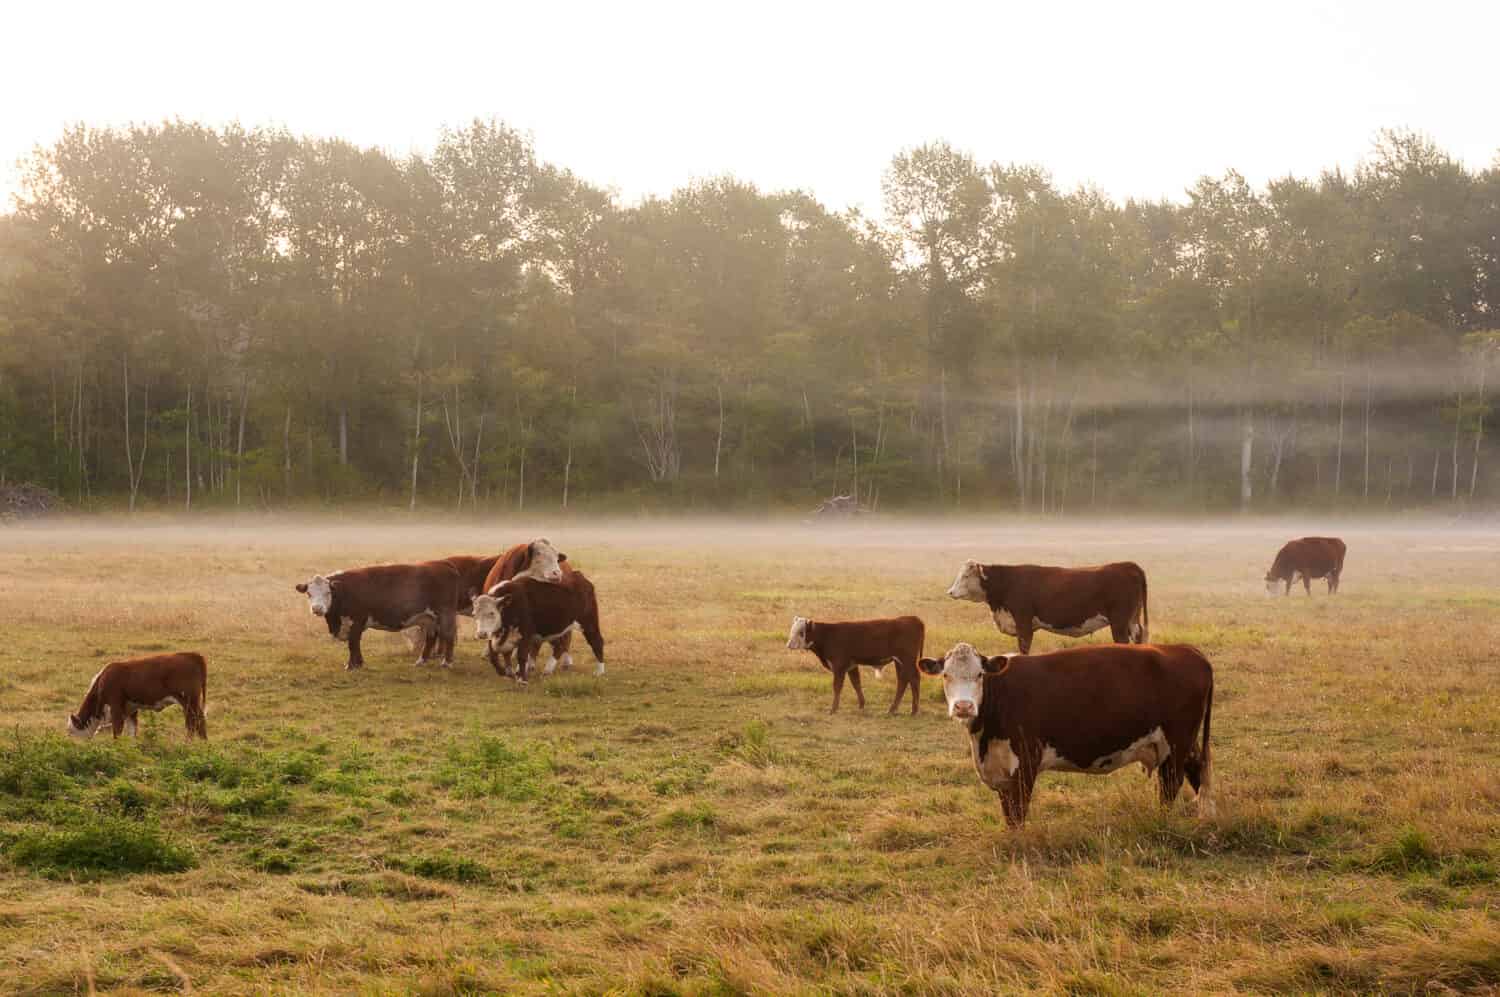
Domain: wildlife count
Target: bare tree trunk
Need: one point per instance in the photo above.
(812, 441)
(1458, 420)
(344, 436)
(568, 464)
(1367, 434)
(719, 442)
(286, 452)
(239, 446)
(1247, 448)
(854, 455)
(1338, 464)
(1478, 428)
(187, 458)
(135, 468)
(474, 464)
(1094, 467)
(416, 445)
(1192, 454)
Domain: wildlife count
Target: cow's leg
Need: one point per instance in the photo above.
(1307, 584)
(562, 651)
(914, 680)
(1333, 583)
(117, 718)
(1015, 798)
(838, 668)
(1170, 772)
(429, 638)
(595, 637)
(854, 681)
(1288, 589)
(447, 624)
(1121, 633)
(901, 682)
(356, 630)
(1024, 632)
(133, 722)
(494, 657)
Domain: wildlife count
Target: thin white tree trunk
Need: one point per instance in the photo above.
(1338, 464)
(1478, 429)
(719, 442)
(416, 445)
(239, 446)
(187, 460)
(1247, 454)
(1367, 434)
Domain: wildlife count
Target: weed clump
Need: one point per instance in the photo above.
(491, 767)
(106, 846)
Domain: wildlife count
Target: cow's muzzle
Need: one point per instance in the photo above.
(962, 710)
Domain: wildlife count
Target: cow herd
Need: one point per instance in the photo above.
(1091, 708)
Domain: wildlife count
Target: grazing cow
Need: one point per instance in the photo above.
(389, 597)
(1073, 602)
(843, 647)
(123, 688)
(516, 616)
(1090, 709)
(1307, 558)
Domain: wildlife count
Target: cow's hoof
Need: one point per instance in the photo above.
(447, 664)
(354, 666)
(419, 663)
(599, 670)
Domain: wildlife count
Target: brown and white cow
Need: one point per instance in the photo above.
(153, 682)
(843, 647)
(1090, 709)
(517, 615)
(1307, 558)
(536, 559)
(1073, 602)
(389, 597)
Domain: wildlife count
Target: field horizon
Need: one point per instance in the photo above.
(695, 822)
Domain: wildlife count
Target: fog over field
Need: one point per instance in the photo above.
(695, 821)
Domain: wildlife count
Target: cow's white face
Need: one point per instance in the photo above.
(796, 640)
(486, 616)
(969, 584)
(963, 670)
(545, 563)
(319, 594)
(86, 730)
(1271, 586)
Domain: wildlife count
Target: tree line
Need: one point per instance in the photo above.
(192, 316)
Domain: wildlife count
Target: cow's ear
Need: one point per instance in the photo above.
(561, 557)
(995, 664)
(931, 666)
(301, 586)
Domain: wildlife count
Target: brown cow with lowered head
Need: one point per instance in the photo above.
(123, 688)
(517, 615)
(1073, 602)
(1090, 709)
(389, 597)
(1307, 558)
(843, 647)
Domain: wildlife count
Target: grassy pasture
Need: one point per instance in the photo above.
(695, 822)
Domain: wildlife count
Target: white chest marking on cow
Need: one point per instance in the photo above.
(998, 767)
(1004, 622)
(1083, 629)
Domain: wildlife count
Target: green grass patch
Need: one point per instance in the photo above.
(108, 846)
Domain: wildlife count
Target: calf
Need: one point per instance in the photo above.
(123, 688)
(843, 647)
(1089, 709)
(1307, 558)
(1073, 602)
(389, 597)
(517, 615)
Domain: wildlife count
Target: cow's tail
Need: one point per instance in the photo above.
(1206, 761)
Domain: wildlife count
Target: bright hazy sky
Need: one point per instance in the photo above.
(1139, 98)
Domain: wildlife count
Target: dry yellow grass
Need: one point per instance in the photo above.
(697, 823)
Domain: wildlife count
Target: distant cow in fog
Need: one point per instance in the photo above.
(843, 647)
(1307, 558)
(1073, 602)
